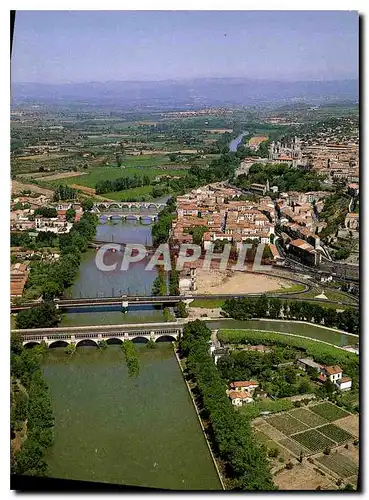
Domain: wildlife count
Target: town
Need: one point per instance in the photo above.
(184, 251)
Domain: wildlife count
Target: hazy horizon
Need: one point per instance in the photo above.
(59, 47)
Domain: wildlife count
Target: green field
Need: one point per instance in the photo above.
(339, 464)
(329, 411)
(309, 418)
(97, 174)
(287, 424)
(335, 433)
(313, 440)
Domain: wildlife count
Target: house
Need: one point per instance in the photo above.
(242, 386)
(304, 363)
(344, 383)
(334, 373)
(305, 252)
(278, 260)
(218, 353)
(239, 398)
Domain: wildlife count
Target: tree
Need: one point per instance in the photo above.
(181, 310)
(70, 215)
(42, 316)
(87, 204)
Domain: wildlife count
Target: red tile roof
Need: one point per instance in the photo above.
(246, 383)
(333, 370)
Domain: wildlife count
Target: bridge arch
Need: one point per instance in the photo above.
(101, 206)
(135, 206)
(165, 338)
(114, 205)
(30, 344)
(140, 340)
(152, 205)
(86, 343)
(58, 343)
(114, 341)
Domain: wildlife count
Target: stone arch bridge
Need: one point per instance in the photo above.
(55, 337)
(121, 205)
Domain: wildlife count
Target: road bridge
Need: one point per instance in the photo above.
(125, 302)
(127, 205)
(92, 335)
(129, 216)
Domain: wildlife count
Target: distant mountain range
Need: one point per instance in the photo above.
(184, 93)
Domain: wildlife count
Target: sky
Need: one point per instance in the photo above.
(85, 46)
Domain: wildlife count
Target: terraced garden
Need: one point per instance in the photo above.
(339, 464)
(335, 433)
(305, 430)
(308, 417)
(329, 411)
(287, 424)
(313, 440)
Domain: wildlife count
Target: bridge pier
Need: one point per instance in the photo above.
(125, 306)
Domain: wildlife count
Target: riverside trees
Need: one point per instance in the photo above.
(30, 410)
(264, 307)
(247, 467)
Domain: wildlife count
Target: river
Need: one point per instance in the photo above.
(235, 142)
(93, 282)
(111, 428)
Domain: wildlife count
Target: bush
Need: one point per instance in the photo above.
(289, 465)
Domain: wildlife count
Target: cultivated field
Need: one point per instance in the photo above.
(329, 411)
(306, 433)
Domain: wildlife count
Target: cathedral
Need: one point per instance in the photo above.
(286, 152)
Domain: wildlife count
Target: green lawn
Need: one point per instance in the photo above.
(207, 303)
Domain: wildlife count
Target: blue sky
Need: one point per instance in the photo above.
(79, 46)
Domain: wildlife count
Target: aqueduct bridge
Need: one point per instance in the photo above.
(92, 335)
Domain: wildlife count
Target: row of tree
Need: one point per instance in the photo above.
(272, 307)
(31, 409)
(133, 364)
(245, 460)
(122, 183)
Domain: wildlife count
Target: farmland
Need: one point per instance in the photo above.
(313, 440)
(336, 433)
(286, 423)
(339, 464)
(309, 418)
(329, 411)
(299, 437)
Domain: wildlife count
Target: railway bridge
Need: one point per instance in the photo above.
(92, 335)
